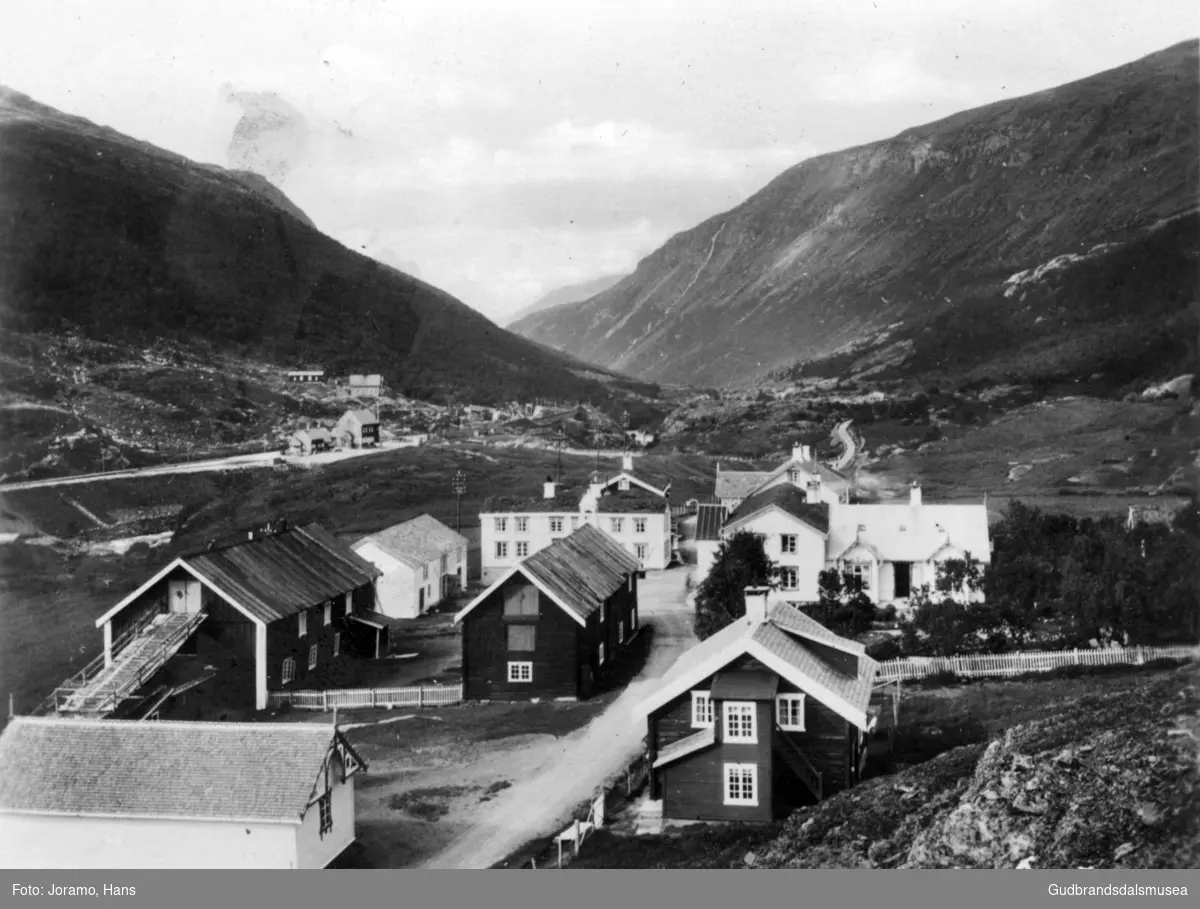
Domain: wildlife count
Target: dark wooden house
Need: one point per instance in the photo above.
(548, 627)
(767, 715)
(285, 606)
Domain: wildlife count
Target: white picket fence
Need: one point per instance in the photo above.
(1028, 661)
(345, 698)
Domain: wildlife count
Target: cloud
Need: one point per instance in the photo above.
(889, 77)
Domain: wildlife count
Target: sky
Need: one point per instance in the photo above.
(502, 149)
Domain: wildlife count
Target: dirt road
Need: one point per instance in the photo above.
(552, 777)
(850, 449)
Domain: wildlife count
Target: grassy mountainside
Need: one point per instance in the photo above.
(911, 250)
(125, 242)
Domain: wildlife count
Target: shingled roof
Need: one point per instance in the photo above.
(578, 572)
(417, 542)
(788, 498)
(163, 770)
(632, 500)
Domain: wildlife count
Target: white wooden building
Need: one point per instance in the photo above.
(423, 561)
(801, 470)
(115, 794)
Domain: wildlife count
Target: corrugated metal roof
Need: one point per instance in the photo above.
(744, 686)
(214, 771)
(901, 532)
(417, 542)
(279, 575)
(789, 498)
(709, 521)
(581, 570)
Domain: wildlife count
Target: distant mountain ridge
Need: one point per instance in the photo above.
(122, 241)
(573, 293)
(897, 256)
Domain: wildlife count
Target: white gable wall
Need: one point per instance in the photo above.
(316, 851)
(829, 495)
(395, 590)
(808, 560)
(54, 842)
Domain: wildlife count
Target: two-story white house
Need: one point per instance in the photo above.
(801, 470)
(422, 562)
(794, 525)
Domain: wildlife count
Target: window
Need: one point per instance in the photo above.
(501, 525)
(789, 578)
(522, 525)
(702, 711)
(603, 612)
(424, 572)
(633, 618)
(862, 573)
(556, 525)
(303, 624)
(600, 656)
(623, 485)
(740, 722)
(787, 543)
(639, 525)
(575, 522)
(337, 643)
(501, 550)
(789, 712)
(445, 563)
(289, 670)
(794, 476)
(312, 656)
(617, 524)
(325, 804)
(620, 632)
(640, 551)
(329, 613)
(522, 548)
(520, 672)
(741, 784)
(520, 601)
(522, 637)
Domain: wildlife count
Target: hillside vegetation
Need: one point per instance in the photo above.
(1050, 236)
(120, 241)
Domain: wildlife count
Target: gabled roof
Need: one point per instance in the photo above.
(649, 480)
(364, 416)
(566, 500)
(314, 434)
(633, 500)
(248, 772)
(578, 572)
(901, 532)
(828, 475)
(709, 520)
(778, 642)
(417, 542)
(737, 484)
(787, 498)
(273, 576)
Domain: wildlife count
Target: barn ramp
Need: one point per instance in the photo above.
(132, 667)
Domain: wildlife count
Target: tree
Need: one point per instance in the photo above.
(941, 625)
(721, 599)
(843, 605)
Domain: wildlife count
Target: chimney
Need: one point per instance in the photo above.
(756, 603)
(814, 492)
(914, 493)
(548, 488)
(627, 461)
(798, 452)
(249, 534)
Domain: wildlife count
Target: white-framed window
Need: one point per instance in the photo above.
(633, 618)
(639, 525)
(522, 548)
(522, 638)
(424, 572)
(630, 581)
(794, 476)
(522, 525)
(620, 632)
(702, 710)
(787, 543)
(312, 656)
(329, 613)
(789, 578)
(623, 485)
(861, 571)
(741, 722)
(600, 655)
(603, 612)
(556, 525)
(501, 549)
(617, 524)
(741, 784)
(789, 712)
(289, 670)
(520, 671)
(337, 643)
(501, 525)
(303, 624)
(325, 805)
(640, 550)
(574, 522)
(460, 553)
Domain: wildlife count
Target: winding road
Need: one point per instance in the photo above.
(849, 445)
(557, 776)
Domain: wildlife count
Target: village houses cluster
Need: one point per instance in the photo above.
(772, 712)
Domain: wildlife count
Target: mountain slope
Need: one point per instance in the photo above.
(897, 237)
(572, 293)
(123, 241)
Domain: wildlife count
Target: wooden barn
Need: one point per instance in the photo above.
(282, 607)
(769, 714)
(549, 625)
(358, 429)
(119, 794)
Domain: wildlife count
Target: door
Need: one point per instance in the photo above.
(903, 578)
(183, 596)
(421, 601)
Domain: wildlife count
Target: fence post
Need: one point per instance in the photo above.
(373, 698)
(577, 836)
(420, 695)
(324, 700)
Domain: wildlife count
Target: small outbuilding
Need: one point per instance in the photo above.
(422, 562)
(358, 429)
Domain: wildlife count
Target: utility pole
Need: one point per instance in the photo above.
(598, 437)
(560, 439)
(460, 488)
(625, 431)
